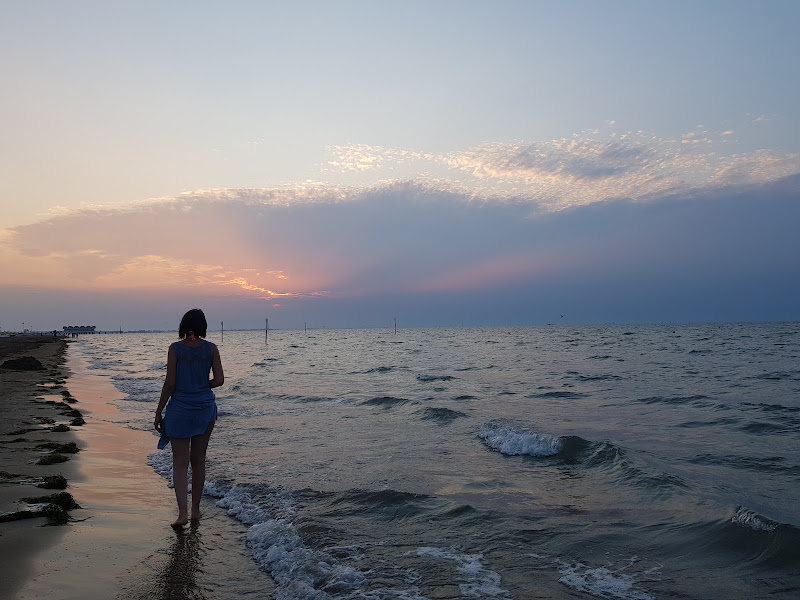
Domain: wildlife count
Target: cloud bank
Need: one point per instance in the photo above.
(616, 227)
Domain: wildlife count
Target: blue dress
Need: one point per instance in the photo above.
(192, 407)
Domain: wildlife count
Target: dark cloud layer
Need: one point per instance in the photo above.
(431, 258)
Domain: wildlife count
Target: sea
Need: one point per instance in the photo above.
(629, 462)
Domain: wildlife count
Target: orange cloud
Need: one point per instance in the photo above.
(269, 294)
(154, 271)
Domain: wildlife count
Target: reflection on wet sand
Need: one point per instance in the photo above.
(169, 573)
(178, 579)
(197, 563)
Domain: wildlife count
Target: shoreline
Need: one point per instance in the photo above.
(119, 544)
(125, 506)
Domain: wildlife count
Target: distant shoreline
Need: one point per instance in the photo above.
(390, 327)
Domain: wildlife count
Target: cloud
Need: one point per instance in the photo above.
(591, 216)
(589, 167)
(564, 160)
(363, 157)
(762, 166)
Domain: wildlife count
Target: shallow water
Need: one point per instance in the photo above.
(627, 462)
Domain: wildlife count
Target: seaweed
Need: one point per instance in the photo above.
(48, 445)
(24, 363)
(55, 514)
(68, 448)
(62, 499)
(53, 482)
(19, 515)
(55, 509)
(52, 459)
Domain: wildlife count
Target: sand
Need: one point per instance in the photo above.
(22, 541)
(119, 544)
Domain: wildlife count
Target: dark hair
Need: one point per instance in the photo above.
(194, 322)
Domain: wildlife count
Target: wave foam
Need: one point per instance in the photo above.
(139, 389)
(748, 518)
(278, 549)
(478, 581)
(274, 542)
(514, 442)
(299, 571)
(601, 582)
(161, 461)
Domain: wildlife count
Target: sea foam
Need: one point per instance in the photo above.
(515, 442)
(476, 580)
(601, 582)
(748, 518)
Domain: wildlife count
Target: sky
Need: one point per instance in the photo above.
(449, 163)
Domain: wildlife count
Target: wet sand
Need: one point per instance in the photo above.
(125, 511)
(119, 544)
(26, 420)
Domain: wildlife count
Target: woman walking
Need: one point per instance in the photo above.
(191, 411)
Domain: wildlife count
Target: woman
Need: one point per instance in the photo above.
(191, 411)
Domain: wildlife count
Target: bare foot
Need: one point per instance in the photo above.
(180, 522)
(196, 519)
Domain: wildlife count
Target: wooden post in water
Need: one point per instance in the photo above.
(395, 325)
(222, 329)
(305, 327)
(266, 332)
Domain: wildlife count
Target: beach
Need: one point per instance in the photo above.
(119, 543)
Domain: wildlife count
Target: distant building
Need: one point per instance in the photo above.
(74, 330)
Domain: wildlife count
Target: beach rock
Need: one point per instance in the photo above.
(25, 363)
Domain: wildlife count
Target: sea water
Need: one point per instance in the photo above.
(629, 462)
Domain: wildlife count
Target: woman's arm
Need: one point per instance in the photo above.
(216, 368)
(166, 391)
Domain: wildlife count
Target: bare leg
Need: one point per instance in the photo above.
(198, 460)
(180, 465)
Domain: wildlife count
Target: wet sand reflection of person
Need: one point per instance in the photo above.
(179, 577)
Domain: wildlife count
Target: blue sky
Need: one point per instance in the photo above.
(447, 163)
